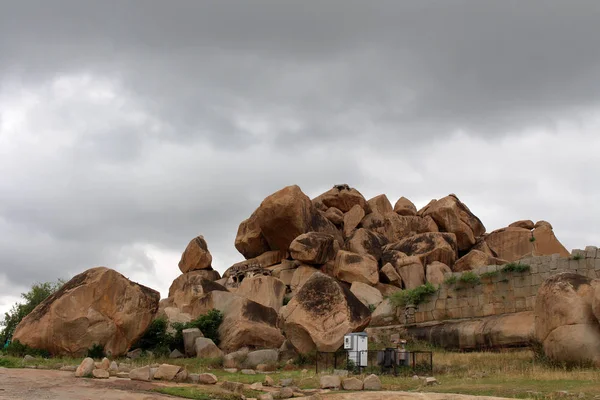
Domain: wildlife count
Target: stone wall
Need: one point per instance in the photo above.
(501, 292)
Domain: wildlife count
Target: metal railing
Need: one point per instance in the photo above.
(389, 361)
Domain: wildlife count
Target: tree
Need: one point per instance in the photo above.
(38, 293)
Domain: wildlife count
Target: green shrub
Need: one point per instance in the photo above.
(372, 308)
(577, 256)
(96, 352)
(9, 363)
(286, 300)
(208, 324)
(17, 349)
(532, 239)
(412, 296)
(451, 280)
(470, 277)
(487, 275)
(516, 267)
(155, 337)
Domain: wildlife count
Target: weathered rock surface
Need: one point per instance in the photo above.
(265, 290)
(388, 274)
(405, 207)
(301, 275)
(287, 214)
(451, 215)
(435, 272)
(167, 372)
(235, 358)
(372, 382)
(351, 267)
(411, 271)
(429, 247)
(352, 218)
(494, 332)
(476, 259)
(313, 248)
(342, 198)
(380, 204)
(364, 241)
(352, 384)
(141, 374)
(207, 379)
(368, 295)
(335, 215)
(510, 243)
(250, 241)
(384, 314)
(206, 348)
(100, 374)
(189, 340)
(330, 382)
(196, 256)
(187, 289)
(98, 306)
(265, 356)
(525, 224)
(546, 242)
(321, 314)
(565, 322)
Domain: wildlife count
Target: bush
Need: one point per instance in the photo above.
(470, 277)
(155, 337)
(451, 280)
(96, 352)
(209, 325)
(38, 293)
(489, 274)
(576, 257)
(17, 349)
(515, 267)
(412, 296)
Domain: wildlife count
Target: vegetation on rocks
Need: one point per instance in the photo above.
(412, 296)
(516, 267)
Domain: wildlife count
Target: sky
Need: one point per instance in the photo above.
(129, 127)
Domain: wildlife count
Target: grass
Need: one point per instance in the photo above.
(412, 296)
(469, 277)
(516, 267)
(489, 274)
(512, 374)
(451, 280)
(577, 256)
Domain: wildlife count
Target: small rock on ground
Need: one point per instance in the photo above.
(100, 374)
(248, 372)
(372, 382)
(234, 387)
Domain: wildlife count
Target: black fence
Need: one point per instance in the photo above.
(389, 361)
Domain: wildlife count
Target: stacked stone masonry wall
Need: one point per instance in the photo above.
(502, 292)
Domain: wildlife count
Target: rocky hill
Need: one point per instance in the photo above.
(313, 270)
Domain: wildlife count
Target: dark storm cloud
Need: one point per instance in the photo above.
(149, 122)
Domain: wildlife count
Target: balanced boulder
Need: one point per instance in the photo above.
(196, 256)
(343, 198)
(265, 290)
(250, 240)
(98, 306)
(380, 204)
(321, 314)
(313, 248)
(351, 267)
(429, 247)
(451, 215)
(405, 207)
(187, 288)
(475, 259)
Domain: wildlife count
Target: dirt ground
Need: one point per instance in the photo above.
(38, 384)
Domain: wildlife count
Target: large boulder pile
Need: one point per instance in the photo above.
(567, 318)
(97, 307)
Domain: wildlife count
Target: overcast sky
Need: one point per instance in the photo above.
(129, 127)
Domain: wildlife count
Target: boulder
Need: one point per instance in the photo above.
(235, 387)
(343, 198)
(350, 267)
(86, 368)
(301, 275)
(189, 340)
(321, 314)
(172, 314)
(182, 375)
(543, 223)
(196, 256)
(187, 289)
(388, 274)
(175, 354)
(167, 372)
(380, 204)
(364, 241)
(368, 295)
(429, 247)
(335, 215)
(98, 306)
(565, 323)
(451, 215)
(405, 207)
(510, 243)
(330, 382)
(250, 241)
(372, 382)
(245, 322)
(411, 271)
(384, 314)
(100, 374)
(352, 384)
(476, 259)
(398, 227)
(287, 214)
(113, 370)
(266, 356)
(435, 272)
(385, 289)
(207, 379)
(546, 243)
(206, 348)
(104, 364)
(287, 352)
(141, 374)
(352, 218)
(525, 224)
(313, 248)
(265, 290)
(236, 358)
